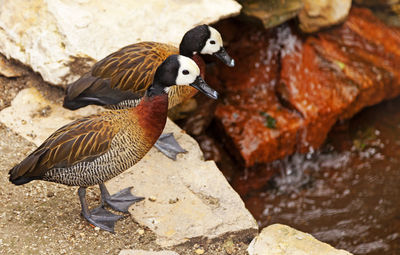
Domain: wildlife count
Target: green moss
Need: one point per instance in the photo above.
(269, 122)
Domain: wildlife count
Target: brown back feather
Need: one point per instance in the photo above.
(133, 67)
(82, 140)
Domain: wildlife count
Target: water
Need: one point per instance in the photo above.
(346, 194)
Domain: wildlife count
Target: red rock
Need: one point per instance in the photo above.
(305, 83)
(249, 96)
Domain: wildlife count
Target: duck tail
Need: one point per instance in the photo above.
(21, 180)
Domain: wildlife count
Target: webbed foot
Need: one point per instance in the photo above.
(102, 218)
(167, 145)
(120, 201)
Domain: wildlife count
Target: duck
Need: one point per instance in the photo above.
(94, 149)
(119, 80)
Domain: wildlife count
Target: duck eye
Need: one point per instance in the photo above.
(185, 72)
(212, 42)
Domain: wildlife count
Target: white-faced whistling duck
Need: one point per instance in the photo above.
(120, 80)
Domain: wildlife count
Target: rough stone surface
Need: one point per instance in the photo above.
(190, 196)
(35, 118)
(60, 38)
(143, 252)
(288, 89)
(377, 2)
(279, 239)
(187, 198)
(272, 12)
(8, 70)
(323, 13)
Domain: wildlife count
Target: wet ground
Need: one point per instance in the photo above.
(346, 194)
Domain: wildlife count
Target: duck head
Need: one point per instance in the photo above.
(180, 70)
(204, 39)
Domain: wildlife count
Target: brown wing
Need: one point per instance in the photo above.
(82, 140)
(123, 75)
(133, 67)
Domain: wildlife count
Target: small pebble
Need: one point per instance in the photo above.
(97, 228)
(140, 231)
(229, 246)
(299, 237)
(82, 234)
(200, 251)
(152, 199)
(50, 194)
(23, 122)
(173, 201)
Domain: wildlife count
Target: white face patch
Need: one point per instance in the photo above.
(214, 43)
(188, 71)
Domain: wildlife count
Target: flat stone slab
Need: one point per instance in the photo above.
(59, 38)
(35, 118)
(279, 239)
(142, 252)
(185, 199)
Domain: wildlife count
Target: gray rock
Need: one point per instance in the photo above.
(142, 252)
(279, 239)
(61, 39)
(319, 14)
(272, 12)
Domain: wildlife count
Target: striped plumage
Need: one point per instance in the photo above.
(94, 149)
(118, 80)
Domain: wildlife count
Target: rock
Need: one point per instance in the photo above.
(273, 12)
(323, 13)
(341, 72)
(287, 89)
(250, 101)
(204, 205)
(377, 2)
(35, 118)
(279, 239)
(386, 10)
(142, 252)
(61, 39)
(8, 70)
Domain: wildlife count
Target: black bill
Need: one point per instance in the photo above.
(224, 57)
(202, 86)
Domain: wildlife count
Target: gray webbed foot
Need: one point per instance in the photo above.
(167, 145)
(102, 218)
(120, 201)
(98, 217)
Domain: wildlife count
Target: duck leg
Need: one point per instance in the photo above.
(120, 201)
(98, 217)
(167, 145)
